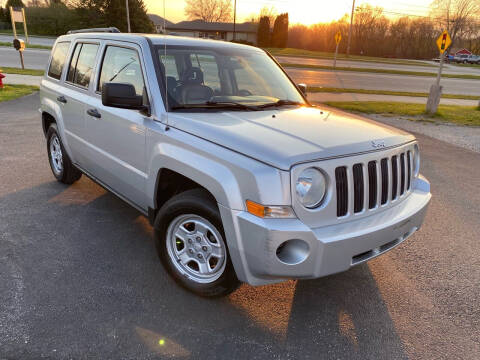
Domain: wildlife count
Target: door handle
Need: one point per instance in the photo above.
(94, 113)
(62, 99)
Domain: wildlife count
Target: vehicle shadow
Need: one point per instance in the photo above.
(84, 281)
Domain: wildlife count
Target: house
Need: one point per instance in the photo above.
(457, 52)
(159, 23)
(246, 32)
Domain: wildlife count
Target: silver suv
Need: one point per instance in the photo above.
(242, 179)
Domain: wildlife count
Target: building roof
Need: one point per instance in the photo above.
(158, 20)
(201, 25)
(461, 51)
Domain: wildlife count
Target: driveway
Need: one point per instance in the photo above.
(79, 277)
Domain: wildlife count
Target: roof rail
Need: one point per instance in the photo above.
(104, 30)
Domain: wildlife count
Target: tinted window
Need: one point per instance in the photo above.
(121, 65)
(81, 66)
(58, 60)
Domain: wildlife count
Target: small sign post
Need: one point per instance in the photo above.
(338, 38)
(19, 45)
(443, 42)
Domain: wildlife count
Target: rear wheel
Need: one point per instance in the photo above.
(61, 165)
(191, 244)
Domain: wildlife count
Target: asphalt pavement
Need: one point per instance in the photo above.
(79, 277)
(37, 59)
(447, 68)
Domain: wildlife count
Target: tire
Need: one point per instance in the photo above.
(190, 242)
(60, 164)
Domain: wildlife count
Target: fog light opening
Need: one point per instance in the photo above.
(293, 252)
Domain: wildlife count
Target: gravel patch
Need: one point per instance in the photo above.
(467, 137)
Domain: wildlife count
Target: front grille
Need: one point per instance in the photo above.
(376, 181)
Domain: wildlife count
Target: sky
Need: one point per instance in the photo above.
(300, 11)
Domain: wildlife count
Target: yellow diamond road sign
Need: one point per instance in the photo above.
(338, 37)
(444, 41)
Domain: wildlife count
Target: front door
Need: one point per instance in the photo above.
(117, 136)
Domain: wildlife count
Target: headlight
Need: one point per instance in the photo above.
(310, 187)
(416, 161)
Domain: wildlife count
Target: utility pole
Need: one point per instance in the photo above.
(128, 16)
(234, 19)
(350, 30)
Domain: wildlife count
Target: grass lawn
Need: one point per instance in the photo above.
(314, 89)
(326, 55)
(379, 71)
(10, 92)
(461, 115)
(12, 70)
(28, 46)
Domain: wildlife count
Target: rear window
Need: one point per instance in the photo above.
(58, 59)
(82, 63)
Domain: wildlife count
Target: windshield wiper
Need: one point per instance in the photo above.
(215, 105)
(281, 103)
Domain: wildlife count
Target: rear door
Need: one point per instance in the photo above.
(117, 136)
(75, 95)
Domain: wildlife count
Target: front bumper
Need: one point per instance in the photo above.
(330, 249)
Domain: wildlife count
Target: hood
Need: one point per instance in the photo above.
(284, 137)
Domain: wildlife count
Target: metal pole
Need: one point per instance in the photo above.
(350, 30)
(335, 59)
(21, 59)
(439, 75)
(128, 16)
(234, 19)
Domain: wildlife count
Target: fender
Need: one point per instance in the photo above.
(52, 108)
(213, 176)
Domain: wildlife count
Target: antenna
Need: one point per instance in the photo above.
(165, 67)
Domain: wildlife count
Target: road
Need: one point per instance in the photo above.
(359, 80)
(36, 59)
(447, 69)
(36, 40)
(79, 277)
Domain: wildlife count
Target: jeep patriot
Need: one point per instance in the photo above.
(241, 177)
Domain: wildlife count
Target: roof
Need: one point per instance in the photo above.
(157, 40)
(213, 26)
(158, 20)
(461, 51)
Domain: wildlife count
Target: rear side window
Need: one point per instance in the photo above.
(82, 63)
(58, 60)
(121, 65)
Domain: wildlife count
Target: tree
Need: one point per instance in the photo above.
(263, 32)
(280, 31)
(457, 16)
(14, 3)
(115, 14)
(209, 10)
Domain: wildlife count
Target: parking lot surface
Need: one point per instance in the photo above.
(79, 277)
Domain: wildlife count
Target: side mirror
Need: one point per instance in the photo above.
(122, 95)
(302, 88)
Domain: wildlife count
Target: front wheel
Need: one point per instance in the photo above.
(61, 165)
(191, 244)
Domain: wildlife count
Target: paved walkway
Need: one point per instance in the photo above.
(22, 79)
(324, 97)
(315, 97)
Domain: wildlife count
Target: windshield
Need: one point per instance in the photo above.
(212, 78)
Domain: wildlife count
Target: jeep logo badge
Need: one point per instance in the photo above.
(378, 144)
